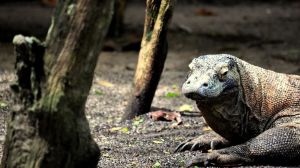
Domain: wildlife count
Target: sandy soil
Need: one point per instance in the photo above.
(262, 33)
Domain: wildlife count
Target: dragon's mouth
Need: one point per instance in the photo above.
(194, 96)
(228, 92)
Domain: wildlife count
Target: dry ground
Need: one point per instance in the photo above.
(264, 34)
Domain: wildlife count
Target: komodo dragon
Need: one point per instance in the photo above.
(255, 113)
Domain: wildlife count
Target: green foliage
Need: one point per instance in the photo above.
(124, 130)
(156, 165)
(99, 92)
(172, 94)
(137, 121)
(149, 35)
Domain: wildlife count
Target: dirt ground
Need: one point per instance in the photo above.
(265, 34)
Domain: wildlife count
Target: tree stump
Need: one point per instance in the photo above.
(152, 56)
(47, 127)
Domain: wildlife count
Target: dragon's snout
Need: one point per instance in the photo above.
(198, 88)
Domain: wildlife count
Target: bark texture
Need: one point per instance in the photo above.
(152, 56)
(48, 127)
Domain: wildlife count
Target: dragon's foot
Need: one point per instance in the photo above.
(193, 144)
(203, 143)
(218, 158)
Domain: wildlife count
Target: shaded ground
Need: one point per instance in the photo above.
(263, 34)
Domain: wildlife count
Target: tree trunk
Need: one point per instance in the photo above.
(117, 23)
(151, 57)
(47, 127)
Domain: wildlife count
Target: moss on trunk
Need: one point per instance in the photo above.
(151, 57)
(48, 127)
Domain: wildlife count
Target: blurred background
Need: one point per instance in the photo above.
(263, 32)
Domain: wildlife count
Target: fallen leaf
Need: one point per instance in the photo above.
(132, 164)
(2, 104)
(205, 12)
(156, 165)
(157, 142)
(157, 115)
(115, 129)
(105, 83)
(174, 125)
(106, 155)
(166, 152)
(165, 116)
(206, 129)
(186, 107)
(121, 129)
(179, 138)
(175, 87)
(187, 125)
(125, 130)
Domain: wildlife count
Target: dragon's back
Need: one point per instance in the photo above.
(269, 93)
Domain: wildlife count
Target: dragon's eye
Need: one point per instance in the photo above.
(231, 64)
(223, 73)
(188, 75)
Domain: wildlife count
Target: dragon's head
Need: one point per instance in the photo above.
(212, 77)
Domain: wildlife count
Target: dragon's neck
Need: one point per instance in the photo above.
(259, 86)
(228, 117)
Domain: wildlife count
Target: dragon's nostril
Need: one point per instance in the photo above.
(188, 82)
(205, 85)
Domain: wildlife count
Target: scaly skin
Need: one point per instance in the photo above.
(255, 111)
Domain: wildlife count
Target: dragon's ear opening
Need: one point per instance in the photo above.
(231, 63)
